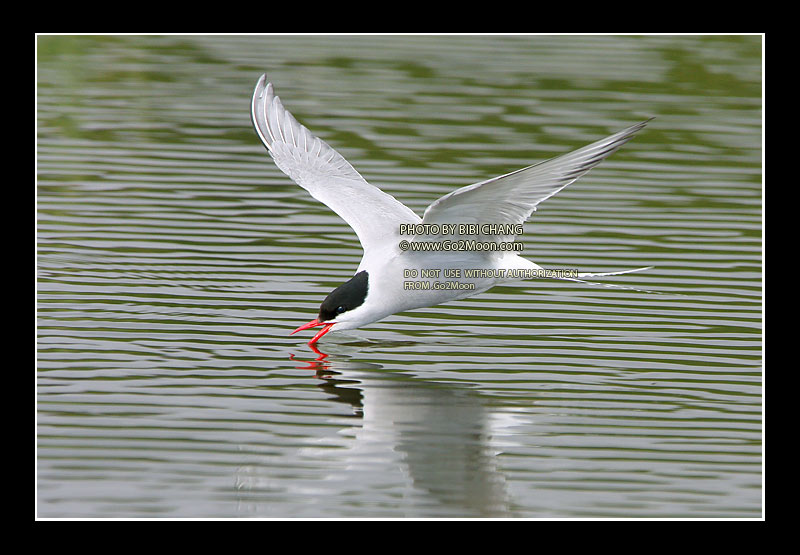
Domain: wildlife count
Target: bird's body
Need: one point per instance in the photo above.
(489, 213)
(416, 280)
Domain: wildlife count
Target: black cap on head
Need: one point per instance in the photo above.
(347, 296)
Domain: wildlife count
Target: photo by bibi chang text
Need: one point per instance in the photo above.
(461, 229)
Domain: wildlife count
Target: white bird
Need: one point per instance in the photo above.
(380, 286)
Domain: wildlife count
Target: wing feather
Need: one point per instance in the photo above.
(513, 197)
(310, 162)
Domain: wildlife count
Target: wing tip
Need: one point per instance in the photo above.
(263, 97)
(633, 129)
(261, 86)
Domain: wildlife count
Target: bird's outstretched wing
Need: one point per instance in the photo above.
(513, 197)
(311, 163)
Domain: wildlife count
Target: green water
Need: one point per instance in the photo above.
(174, 258)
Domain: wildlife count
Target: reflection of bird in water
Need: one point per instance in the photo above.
(434, 438)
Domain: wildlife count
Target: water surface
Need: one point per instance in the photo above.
(174, 258)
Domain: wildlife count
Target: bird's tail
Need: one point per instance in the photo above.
(611, 285)
(603, 274)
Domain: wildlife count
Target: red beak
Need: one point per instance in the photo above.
(313, 324)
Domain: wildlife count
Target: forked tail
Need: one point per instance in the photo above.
(612, 285)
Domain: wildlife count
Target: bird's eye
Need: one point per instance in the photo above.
(339, 309)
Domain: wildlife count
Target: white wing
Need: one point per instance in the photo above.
(374, 215)
(512, 198)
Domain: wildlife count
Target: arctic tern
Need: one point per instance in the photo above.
(463, 242)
